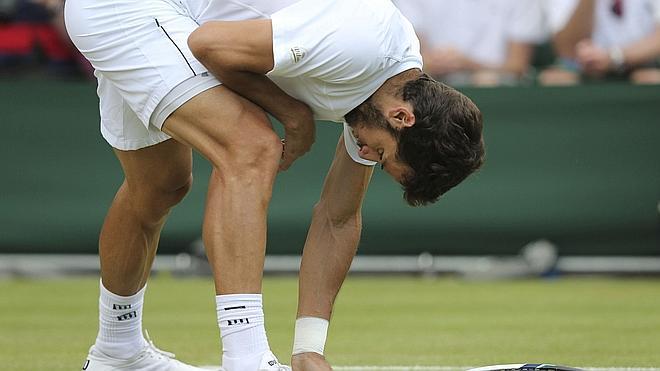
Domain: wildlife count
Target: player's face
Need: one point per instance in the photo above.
(379, 145)
(375, 137)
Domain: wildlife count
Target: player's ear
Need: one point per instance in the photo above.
(401, 117)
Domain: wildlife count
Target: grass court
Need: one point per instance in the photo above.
(379, 322)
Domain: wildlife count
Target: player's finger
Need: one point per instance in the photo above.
(287, 160)
(284, 166)
(291, 154)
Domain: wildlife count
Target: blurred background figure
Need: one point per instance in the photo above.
(33, 40)
(599, 38)
(480, 42)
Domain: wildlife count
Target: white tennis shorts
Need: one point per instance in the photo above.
(145, 71)
(144, 68)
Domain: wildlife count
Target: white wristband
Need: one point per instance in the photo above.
(310, 335)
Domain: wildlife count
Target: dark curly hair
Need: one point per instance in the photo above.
(445, 144)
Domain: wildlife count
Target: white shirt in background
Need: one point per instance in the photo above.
(638, 20)
(479, 29)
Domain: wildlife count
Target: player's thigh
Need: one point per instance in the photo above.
(160, 171)
(224, 126)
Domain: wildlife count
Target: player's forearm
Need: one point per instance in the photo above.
(334, 234)
(329, 251)
(260, 90)
(240, 55)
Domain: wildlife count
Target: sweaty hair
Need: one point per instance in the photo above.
(445, 144)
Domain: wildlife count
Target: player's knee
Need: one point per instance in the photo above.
(268, 147)
(176, 190)
(258, 158)
(255, 149)
(153, 201)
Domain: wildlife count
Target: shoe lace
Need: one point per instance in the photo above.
(154, 350)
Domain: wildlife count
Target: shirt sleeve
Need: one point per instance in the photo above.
(333, 41)
(292, 41)
(303, 39)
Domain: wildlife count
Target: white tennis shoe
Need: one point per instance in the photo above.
(149, 358)
(270, 363)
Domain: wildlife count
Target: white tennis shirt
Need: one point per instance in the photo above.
(331, 54)
(334, 54)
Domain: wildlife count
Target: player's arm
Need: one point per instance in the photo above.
(240, 54)
(331, 244)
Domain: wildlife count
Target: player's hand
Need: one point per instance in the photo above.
(300, 131)
(309, 362)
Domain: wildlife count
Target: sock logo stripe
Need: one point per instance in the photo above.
(232, 308)
(240, 321)
(121, 307)
(127, 316)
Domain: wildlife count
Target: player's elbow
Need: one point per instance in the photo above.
(226, 47)
(211, 45)
(200, 42)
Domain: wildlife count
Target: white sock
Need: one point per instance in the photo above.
(120, 324)
(241, 322)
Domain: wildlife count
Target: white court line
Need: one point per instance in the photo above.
(399, 368)
(456, 368)
(463, 368)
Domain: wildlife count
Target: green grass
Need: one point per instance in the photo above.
(48, 325)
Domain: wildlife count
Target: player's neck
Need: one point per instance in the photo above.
(393, 85)
(390, 92)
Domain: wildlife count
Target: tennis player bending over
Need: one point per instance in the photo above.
(160, 90)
